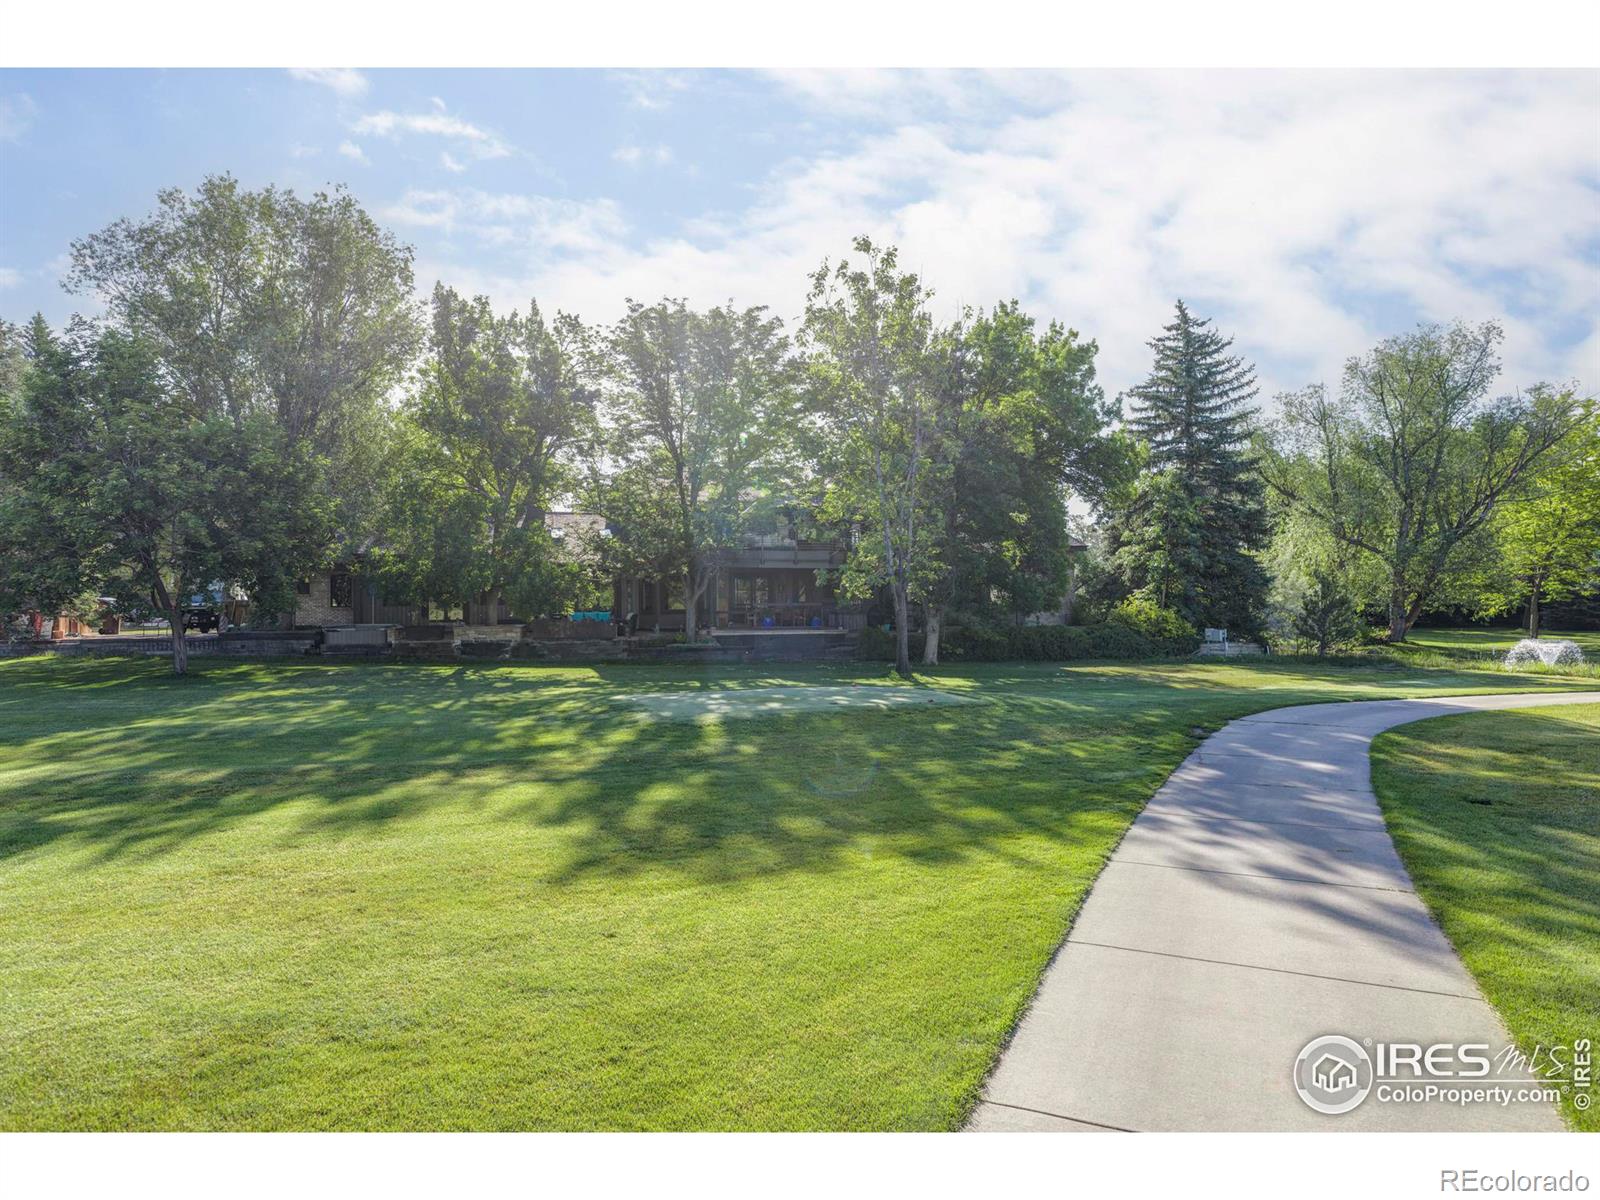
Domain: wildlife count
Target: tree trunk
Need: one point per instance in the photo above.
(180, 644)
(902, 646)
(1533, 612)
(691, 606)
(1398, 624)
(491, 605)
(933, 618)
(1069, 601)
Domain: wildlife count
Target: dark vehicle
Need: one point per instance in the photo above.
(202, 620)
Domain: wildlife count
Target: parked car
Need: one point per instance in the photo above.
(202, 620)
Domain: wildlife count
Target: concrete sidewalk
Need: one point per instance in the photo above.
(1257, 903)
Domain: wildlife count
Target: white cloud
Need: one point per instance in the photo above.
(882, 94)
(540, 228)
(654, 90)
(450, 163)
(352, 150)
(1309, 213)
(480, 142)
(342, 80)
(633, 156)
(10, 277)
(300, 151)
(16, 115)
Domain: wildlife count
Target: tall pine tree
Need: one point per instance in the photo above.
(1200, 490)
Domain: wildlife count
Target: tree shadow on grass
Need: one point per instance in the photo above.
(118, 758)
(1511, 856)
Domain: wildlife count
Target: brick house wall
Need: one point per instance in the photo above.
(315, 606)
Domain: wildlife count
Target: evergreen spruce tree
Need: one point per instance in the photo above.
(1194, 414)
(1327, 618)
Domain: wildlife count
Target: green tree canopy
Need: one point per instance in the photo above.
(262, 302)
(128, 488)
(868, 340)
(490, 436)
(1548, 541)
(1190, 534)
(1019, 426)
(1411, 462)
(703, 410)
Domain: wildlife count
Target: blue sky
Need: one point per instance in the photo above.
(1309, 212)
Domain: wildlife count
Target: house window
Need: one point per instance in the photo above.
(339, 589)
(750, 591)
(302, 587)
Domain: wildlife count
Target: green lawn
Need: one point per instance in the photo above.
(1485, 649)
(1497, 641)
(1497, 817)
(296, 895)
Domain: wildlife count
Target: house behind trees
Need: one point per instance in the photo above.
(778, 580)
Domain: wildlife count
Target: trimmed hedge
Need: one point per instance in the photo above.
(1031, 643)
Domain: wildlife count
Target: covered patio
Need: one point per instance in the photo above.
(775, 598)
(776, 584)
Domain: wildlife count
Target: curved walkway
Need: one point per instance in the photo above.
(1255, 904)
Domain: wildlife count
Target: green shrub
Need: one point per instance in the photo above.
(1327, 620)
(876, 644)
(977, 642)
(1033, 643)
(1149, 618)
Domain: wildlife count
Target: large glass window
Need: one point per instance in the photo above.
(750, 591)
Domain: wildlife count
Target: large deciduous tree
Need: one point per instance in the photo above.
(1548, 542)
(486, 442)
(1191, 531)
(868, 338)
(703, 408)
(128, 487)
(1019, 426)
(263, 302)
(1411, 462)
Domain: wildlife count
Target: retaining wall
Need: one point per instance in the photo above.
(447, 643)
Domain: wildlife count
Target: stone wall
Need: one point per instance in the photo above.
(242, 643)
(447, 643)
(1228, 650)
(563, 630)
